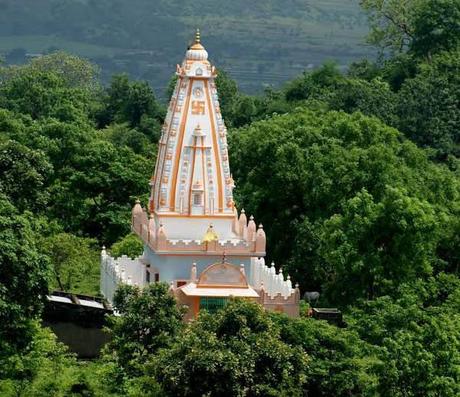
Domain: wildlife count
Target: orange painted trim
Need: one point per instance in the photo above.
(222, 286)
(191, 179)
(216, 216)
(205, 178)
(249, 254)
(216, 148)
(202, 147)
(153, 193)
(164, 146)
(196, 306)
(201, 78)
(172, 205)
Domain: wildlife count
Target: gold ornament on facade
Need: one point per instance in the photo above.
(210, 235)
(198, 107)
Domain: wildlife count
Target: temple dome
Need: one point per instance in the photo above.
(196, 52)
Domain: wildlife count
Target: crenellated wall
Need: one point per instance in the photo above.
(267, 278)
(122, 270)
(275, 293)
(247, 242)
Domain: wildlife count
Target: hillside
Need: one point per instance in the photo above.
(266, 42)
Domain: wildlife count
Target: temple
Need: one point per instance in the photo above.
(194, 238)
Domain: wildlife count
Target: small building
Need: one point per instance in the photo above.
(331, 315)
(194, 237)
(78, 321)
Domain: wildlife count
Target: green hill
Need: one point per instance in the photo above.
(259, 42)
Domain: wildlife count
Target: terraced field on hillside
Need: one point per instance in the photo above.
(262, 42)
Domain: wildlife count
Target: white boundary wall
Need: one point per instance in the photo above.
(116, 271)
(273, 283)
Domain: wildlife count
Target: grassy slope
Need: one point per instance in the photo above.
(259, 42)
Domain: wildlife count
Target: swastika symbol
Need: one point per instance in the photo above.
(198, 107)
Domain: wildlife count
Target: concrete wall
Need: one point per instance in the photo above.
(178, 267)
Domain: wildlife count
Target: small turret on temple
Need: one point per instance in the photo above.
(194, 238)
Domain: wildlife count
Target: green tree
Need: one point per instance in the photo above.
(96, 195)
(24, 274)
(24, 176)
(130, 245)
(149, 320)
(424, 27)
(75, 71)
(372, 98)
(235, 352)
(132, 102)
(95, 174)
(341, 364)
(436, 27)
(374, 246)
(391, 22)
(244, 110)
(328, 85)
(418, 336)
(363, 69)
(312, 85)
(47, 368)
(75, 263)
(122, 135)
(428, 105)
(42, 94)
(322, 160)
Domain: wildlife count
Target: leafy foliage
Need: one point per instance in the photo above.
(47, 368)
(24, 273)
(391, 22)
(373, 247)
(133, 103)
(75, 263)
(129, 245)
(418, 333)
(323, 161)
(341, 363)
(22, 168)
(236, 352)
(436, 27)
(428, 105)
(149, 319)
(92, 175)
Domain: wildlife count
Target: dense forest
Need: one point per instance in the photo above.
(264, 43)
(355, 175)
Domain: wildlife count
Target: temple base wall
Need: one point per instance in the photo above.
(177, 267)
(193, 228)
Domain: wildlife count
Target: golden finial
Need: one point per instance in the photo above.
(197, 36)
(210, 235)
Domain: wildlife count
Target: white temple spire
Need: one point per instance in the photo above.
(192, 175)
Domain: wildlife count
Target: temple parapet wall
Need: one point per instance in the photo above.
(280, 304)
(248, 241)
(275, 293)
(122, 270)
(268, 279)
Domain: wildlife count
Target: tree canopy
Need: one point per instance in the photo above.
(338, 172)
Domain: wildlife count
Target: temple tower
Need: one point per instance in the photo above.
(192, 185)
(193, 236)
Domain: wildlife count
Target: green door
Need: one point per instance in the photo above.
(212, 304)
